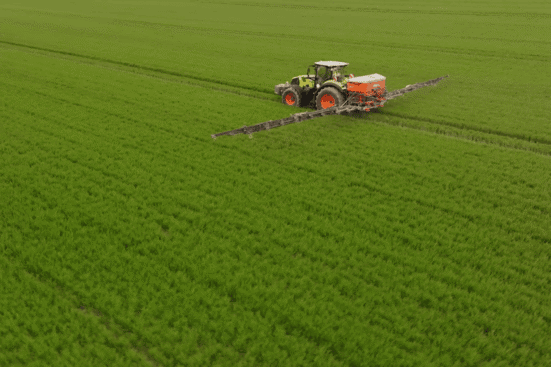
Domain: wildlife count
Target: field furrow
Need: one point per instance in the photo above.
(418, 235)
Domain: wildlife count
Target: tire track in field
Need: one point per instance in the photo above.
(294, 326)
(119, 329)
(60, 292)
(94, 61)
(143, 349)
(465, 127)
(387, 45)
(196, 29)
(296, 167)
(42, 275)
(365, 9)
(97, 62)
(122, 117)
(386, 256)
(169, 131)
(376, 9)
(292, 167)
(116, 329)
(141, 69)
(472, 219)
(169, 26)
(394, 258)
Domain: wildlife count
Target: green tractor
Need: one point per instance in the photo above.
(327, 87)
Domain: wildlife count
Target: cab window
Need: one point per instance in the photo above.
(324, 73)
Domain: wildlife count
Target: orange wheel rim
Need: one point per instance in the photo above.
(290, 99)
(327, 101)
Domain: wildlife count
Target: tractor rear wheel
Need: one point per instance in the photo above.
(328, 97)
(291, 97)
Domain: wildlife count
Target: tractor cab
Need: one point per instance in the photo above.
(330, 70)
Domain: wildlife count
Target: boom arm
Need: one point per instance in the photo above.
(340, 110)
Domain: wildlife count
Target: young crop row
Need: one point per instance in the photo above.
(138, 288)
(111, 295)
(58, 149)
(234, 245)
(497, 82)
(39, 326)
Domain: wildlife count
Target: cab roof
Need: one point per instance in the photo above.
(330, 64)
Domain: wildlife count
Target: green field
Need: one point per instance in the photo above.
(418, 236)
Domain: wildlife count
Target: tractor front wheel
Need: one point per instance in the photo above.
(291, 97)
(328, 97)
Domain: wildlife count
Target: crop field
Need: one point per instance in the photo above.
(417, 235)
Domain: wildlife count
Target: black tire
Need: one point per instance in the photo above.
(291, 97)
(328, 97)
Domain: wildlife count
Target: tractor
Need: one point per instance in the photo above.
(331, 86)
(335, 93)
